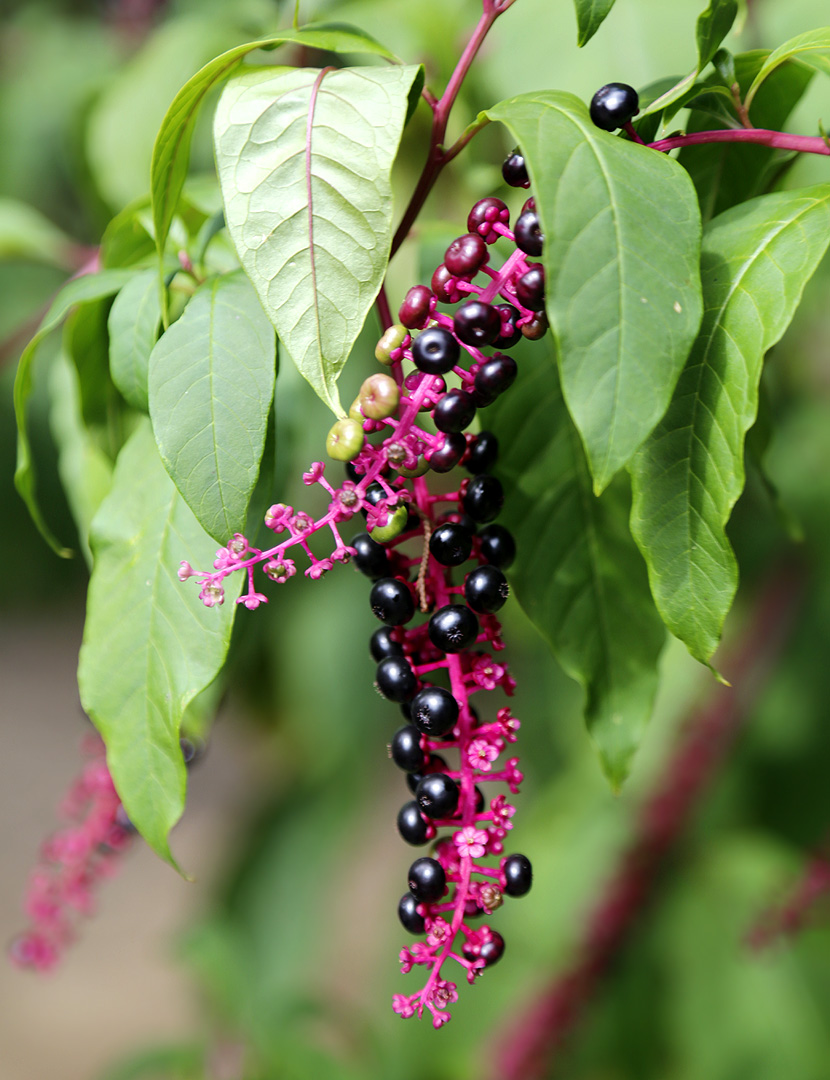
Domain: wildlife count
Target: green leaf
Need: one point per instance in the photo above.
(304, 161)
(622, 232)
(812, 49)
(211, 384)
(578, 574)
(134, 321)
(756, 259)
(26, 234)
(590, 14)
(150, 645)
(171, 153)
(77, 291)
(127, 239)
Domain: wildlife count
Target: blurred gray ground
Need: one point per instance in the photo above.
(120, 987)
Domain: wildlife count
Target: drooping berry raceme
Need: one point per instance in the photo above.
(436, 562)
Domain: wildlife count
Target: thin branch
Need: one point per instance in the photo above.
(780, 140)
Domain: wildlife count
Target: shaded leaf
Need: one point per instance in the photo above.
(150, 645)
(756, 261)
(25, 233)
(812, 49)
(134, 321)
(211, 384)
(304, 160)
(622, 235)
(590, 14)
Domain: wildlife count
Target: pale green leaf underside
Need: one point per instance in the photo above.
(317, 274)
(590, 15)
(578, 574)
(622, 231)
(133, 325)
(812, 48)
(150, 646)
(756, 260)
(211, 384)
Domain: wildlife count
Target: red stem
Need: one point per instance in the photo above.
(805, 144)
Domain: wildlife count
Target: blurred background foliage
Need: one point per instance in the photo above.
(294, 956)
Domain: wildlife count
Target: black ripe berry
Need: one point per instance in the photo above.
(454, 412)
(510, 334)
(411, 825)
(395, 679)
(476, 323)
(493, 950)
(518, 875)
(370, 558)
(486, 589)
(374, 493)
(434, 711)
(483, 498)
(435, 764)
(437, 795)
(528, 233)
(453, 628)
(435, 351)
(427, 880)
(391, 601)
(494, 377)
(448, 455)
(484, 215)
(408, 914)
(414, 311)
(612, 106)
(466, 255)
(497, 546)
(382, 645)
(514, 170)
(451, 544)
(406, 751)
(483, 453)
(530, 288)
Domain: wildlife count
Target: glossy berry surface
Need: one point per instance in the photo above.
(435, 351)
(453, 628)
(448, 455)
(427, 880)
(494, 377)
(434, 711)
(391, 601)
(465, 255)
(370, 558)
(483, 498)
(435, 763)
(493, 950)
(529, 204)
(437, 795)
(444, 287)
(486, 589)
(530, 289)
(514, 170)
(483, 453)
(414, 311)
(535, 328)
(408, 914)
(528, 233)
(381, 645)
(486, 213)
(451, 544)
(406, 749)
(497, 546)
(476, 323)
(613, 105)
(518, 875)
(509, 334)
(411, 825)
(455, 411)
(395, 679)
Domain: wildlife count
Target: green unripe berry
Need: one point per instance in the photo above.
(392, 339)
(354, 411)
(418, 469)
(378, 397)
(393, 527)
(345, 440)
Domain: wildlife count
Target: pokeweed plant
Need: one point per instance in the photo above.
(654, 286)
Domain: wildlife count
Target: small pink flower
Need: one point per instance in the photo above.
(212, 595)
(471, 842)
(278, 516)
(487, 673)
(407, 960)
(481, 753)
(319, 568)
(238, 546)
(343, 554)
(439, 930)
(314, 473)
(508, 723)
(502, 812)
(403, 1006)
(185, 571)
(252, 600)
(443, 993)
(280, 570)
(301, 523)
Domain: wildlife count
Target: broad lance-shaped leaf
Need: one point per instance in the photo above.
(757, 258)
(622, 241)
(150, 645)
(812, 48)
(590, 15)
(134, 321)
(304, 159)
(578, 574)
(211, 384)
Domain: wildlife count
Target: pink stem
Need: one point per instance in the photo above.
(805, 144)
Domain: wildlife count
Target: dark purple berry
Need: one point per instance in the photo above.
(476, 323)
(493, 950)
(528, 233)
(427, 880)
(530, 288)
(509, 334)
(451, 544)
(466, 255)
(382, 645)
(370, 558)
(414, 311)
(406, 751)
(374, 493)
(443, 285)
(484, 215)
(453, 628)
(437, 795)
(395, 679)
(497, 546)
(483, 453)
(408, 914)
(448, 455)
(486, 589)
(483, 498)
(518, 875)
(536, 327)
(435, 351)
(613, 105)
(529, 204)
(455, 411)
(514, 170)
(435, 763)
(391, 601)
(411, 824)
(494, 377)
(434, 711)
